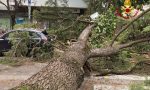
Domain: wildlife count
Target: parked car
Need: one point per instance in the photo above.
(5, 40)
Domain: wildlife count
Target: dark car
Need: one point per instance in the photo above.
(5, 39)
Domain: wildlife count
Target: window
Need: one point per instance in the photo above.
(10, 35)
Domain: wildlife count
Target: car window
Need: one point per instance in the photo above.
(16, 35)
(21, 34)
(10, 35)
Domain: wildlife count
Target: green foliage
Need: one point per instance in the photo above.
(43, 53)
(146, 29)
(8, 61)
(142, 47)
(65, 32)
(138, 30)
(98, 5)
(107, 27)
(20, 42)
(25, 25)
(103, 32)
(124, 37)
(147, 82)
(5, 23)
(63, 24)
(23, 47)
(137, 87)
(102, 36)
(115, 62)
(12, 61)
(141, 86)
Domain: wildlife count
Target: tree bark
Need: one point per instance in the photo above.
(63, 73)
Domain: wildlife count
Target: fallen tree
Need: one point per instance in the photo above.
(66, 72)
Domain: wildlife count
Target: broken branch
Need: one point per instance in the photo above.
(124, 28)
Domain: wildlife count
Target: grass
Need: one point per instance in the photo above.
(4, 23)
(145, 85)
(13, 61)
(137, 87)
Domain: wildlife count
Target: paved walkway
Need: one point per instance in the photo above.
(12, 76)
(113, 82)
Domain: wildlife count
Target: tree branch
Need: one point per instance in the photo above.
(85, 21)
(120, 72)
(99, 52)
(133, 43)
(124, 28)
(114, 49)
(4, 4)
(85, 33)
(8, 5)
(16, 4)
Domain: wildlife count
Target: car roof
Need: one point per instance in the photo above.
(32, 30)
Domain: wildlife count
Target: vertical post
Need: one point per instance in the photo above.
(29, 10)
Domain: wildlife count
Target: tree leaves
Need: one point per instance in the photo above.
(102, 33)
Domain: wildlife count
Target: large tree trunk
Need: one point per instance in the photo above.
(63, 73)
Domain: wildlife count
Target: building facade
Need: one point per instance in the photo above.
(76, 6)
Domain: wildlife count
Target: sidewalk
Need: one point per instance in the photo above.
(12, 76)
(112, 82)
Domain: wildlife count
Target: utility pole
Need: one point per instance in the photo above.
(29, 10)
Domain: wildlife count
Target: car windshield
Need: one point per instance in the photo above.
(16, 35)
(21, 34)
